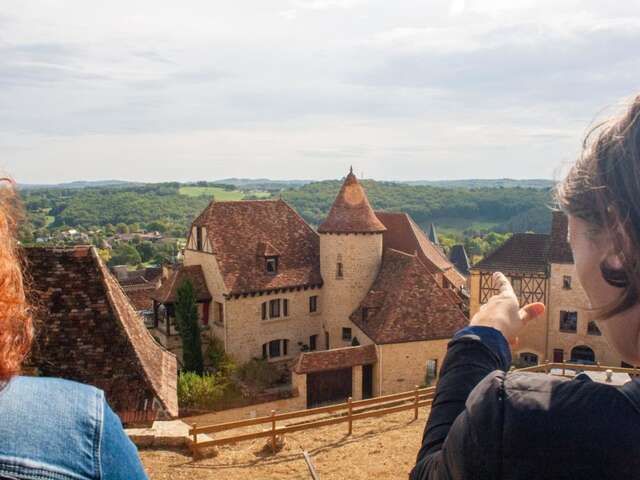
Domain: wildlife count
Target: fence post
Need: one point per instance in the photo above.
(415, 413)
(273, 431)
(195, 439)
(349, 414)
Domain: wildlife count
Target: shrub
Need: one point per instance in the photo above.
(218, 359)
(196, 391)
(258, 374)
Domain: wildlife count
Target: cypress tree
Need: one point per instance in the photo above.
(187, 320)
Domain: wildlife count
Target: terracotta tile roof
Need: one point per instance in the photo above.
(522, 252)
(405, 303)
(351, 211)
(141, 298)
(323, 360)
(405, 235)
(167, 292)
(88, 331)
(459, 258)
(142, 276)
(238, 233)
(560, 250)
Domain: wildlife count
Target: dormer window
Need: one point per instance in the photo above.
(272, 265)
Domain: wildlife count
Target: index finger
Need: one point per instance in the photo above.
(502, 283)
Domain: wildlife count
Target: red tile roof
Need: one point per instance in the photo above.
(88, 331)
(521, 253)
(405, 235)
(560, 250)
(351, 211)
(323, 360)
(141, 298)
(405, 303)
(167, 292)
(242, 232)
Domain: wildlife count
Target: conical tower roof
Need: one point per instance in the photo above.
(351, 211)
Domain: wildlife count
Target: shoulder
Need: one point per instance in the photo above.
(47, 418)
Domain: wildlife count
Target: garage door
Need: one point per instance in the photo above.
(332, 386)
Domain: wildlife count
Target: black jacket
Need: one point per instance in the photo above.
(486, 424)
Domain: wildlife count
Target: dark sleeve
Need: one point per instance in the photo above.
(118, 455)
(449, 444)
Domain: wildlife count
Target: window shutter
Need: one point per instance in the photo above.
(285, 347)
(285, 307)
(264, 350)
(205, 313)
(264, 310)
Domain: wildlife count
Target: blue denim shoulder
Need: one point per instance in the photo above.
(56, 429)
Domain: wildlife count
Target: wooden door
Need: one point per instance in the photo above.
(333, 386)
(367, 381)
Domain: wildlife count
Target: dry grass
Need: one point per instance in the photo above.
(380, 448)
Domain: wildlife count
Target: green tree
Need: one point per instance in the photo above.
(146, 251)
(122, 228)
(187, 320)
(125, 254)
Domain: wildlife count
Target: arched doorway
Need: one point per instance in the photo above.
(582, 354)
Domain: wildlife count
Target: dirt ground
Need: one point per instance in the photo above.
(380, 448)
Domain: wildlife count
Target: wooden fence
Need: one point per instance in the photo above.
(351, 411)
(348, 412)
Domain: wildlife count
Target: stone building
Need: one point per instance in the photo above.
(87, 331)
(363, 306)
(541, 269)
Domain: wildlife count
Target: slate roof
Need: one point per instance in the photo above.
(459, 258)
(335, 359)
(406, 304)
(522, 253)
(405, 235)
(167, 292)
(351, 211)
(87, 331)
(242, 232)
(560, 250)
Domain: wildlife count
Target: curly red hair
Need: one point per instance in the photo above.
(16, 325)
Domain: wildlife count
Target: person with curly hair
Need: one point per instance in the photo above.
(49, 428)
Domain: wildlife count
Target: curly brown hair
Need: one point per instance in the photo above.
(603, 188)
(16, 325)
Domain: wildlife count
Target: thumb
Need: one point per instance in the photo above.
(531, 311)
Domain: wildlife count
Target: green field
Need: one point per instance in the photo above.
(220, 194)
(453, 226)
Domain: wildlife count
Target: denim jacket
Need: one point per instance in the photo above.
(52, 429)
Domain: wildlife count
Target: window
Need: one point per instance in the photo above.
(432, 371)
(274, 308)
(592, 328)
(568, 321)
(218, 312)
(346, 334)
(313, 304)
(272, 265)
(528, 359)
(285, 307)
(566, 282)
(558, 355)
(313, 342)
(199, 238)
(326, 340)
(275, 349)
(339, 270)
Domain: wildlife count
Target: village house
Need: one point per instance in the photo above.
(541, 269)
(87, 331)
(364, 306)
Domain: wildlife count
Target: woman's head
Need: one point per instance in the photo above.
(601, 196)
(15, 320)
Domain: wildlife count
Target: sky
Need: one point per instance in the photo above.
(405, 90)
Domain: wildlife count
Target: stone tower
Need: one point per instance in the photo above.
(350, 258)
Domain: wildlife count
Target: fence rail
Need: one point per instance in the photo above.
(350, 411)
(347, 412)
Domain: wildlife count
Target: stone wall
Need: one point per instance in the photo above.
(574, 299)
(361, 256)
(402, 366)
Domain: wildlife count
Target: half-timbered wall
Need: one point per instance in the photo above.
(529, 288)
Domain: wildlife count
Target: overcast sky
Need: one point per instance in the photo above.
(403, 90)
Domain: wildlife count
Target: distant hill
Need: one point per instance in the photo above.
(540, 183)
(80, 184)
(263, 183)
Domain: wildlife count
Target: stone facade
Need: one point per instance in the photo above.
(360, 256)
